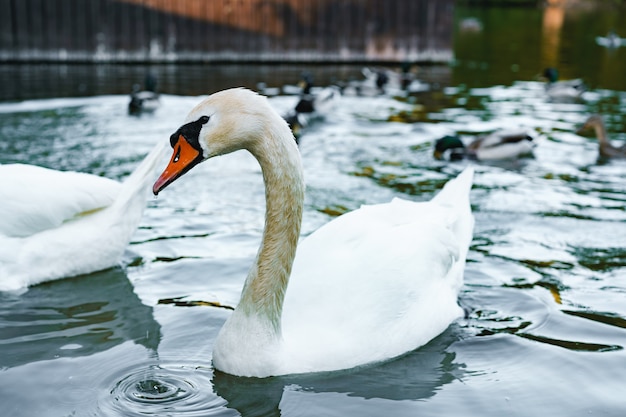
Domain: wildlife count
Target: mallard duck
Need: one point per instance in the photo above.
(470, 25)
(611, 40)
(146, 100)
(388, 81)
(297, 122)
(368, 286)
(311, 105)
(499, 145)
(321, 102)
(606, 149)
(562, 90)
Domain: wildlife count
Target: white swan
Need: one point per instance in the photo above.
(56, 224)
(368, 286)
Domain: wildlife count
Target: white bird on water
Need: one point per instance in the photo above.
(57, 224)
(368, 286)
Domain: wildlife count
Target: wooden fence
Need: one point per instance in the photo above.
(157, 31)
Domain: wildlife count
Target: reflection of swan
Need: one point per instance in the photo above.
(368, 286)
(416, 376)
(499, 145)
(55, 224)
(74, 317)
(606, 149)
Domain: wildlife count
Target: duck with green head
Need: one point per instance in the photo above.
(499, 145)
(562, 90)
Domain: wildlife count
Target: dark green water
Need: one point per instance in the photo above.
(518, 43)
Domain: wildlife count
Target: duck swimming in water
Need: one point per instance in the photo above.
(311, 106)
(606, 149)
(146, 100)
(562, 90)
(499, 145)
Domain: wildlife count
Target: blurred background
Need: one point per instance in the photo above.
(53, 48)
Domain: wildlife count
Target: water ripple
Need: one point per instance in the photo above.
(148, 391)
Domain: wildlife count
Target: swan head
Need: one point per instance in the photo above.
(224, 122)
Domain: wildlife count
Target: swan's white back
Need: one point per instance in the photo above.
(35, 198)
(377, 282)
(61, 224)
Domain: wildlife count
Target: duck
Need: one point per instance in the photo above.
(470, 25)
(380, 77)
(146, 100)
(499, 145)
(57, 224)
(562, 90)
(606, 149)
(321, 102)
(311, 106)
(368, 286)
(296, 122)
(385, 81)
(611, 40)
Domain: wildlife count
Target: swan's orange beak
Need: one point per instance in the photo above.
(183, 159)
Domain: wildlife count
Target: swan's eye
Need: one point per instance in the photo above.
(204, 119)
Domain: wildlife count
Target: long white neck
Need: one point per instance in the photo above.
(264, 289)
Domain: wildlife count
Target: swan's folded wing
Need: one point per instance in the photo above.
(34, 199)
(384, 278)
(379, 281)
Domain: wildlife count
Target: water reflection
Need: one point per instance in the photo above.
(517, 43)
(415, 376)
(553, 16)
(74, 317)
(31, 81)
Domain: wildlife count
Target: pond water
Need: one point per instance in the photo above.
(545, 281)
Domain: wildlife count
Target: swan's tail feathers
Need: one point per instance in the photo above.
(146, 168)
(142, 177)
(453, 204)
(455, 195)
(456, 190)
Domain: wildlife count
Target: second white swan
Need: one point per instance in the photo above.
(57, 224)
(370, 285)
